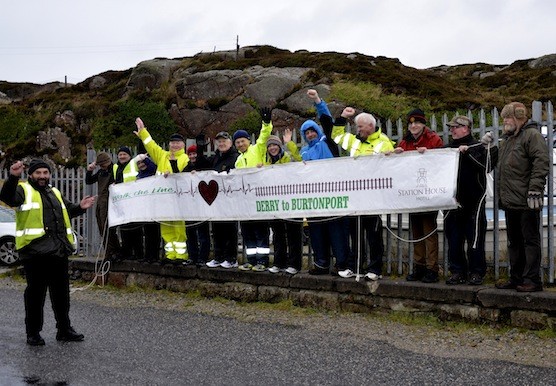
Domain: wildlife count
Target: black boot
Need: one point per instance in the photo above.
(418, 273)
(69, 335)
(35, 340)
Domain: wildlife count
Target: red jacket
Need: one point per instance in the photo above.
(428, 139)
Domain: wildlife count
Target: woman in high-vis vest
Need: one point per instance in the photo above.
(44, 240)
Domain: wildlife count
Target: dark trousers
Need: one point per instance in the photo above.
(330, 234)
(524, 246)
(132, 241)
(42, 273)
(371, 229)
(198, 241)
(225, 241)
(461, 226)
(256, 236)
(287, 243)
(151, 237)
(425, 252)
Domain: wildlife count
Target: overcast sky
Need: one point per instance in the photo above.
(43, 41)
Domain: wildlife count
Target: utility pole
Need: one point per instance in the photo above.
(237, 47)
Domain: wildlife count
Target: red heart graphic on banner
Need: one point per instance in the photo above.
(208, 191)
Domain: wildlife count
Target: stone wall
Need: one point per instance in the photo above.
(481, 304)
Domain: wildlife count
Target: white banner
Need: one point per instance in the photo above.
(377, 184)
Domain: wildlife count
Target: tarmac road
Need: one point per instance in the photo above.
(135, 338)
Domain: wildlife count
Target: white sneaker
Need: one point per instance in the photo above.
(291, 270)
(274, 269)
(226, 264)
(346, 273)
(372, 276)
(213, 264)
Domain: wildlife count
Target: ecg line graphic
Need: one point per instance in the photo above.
(325, 187)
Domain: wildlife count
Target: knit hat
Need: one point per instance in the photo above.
(223, 134)
(273, 140)
(416, 115)
(460, 120)
(37, 164)
(103, 157)
(177, 137)
(241, 134)
(125, 149)
(192, 149)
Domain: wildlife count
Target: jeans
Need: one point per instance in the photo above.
(287, 243)
(198, 241)
(326, 234)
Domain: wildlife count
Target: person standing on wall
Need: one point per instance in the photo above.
(224, 233)
(198, 232)
(523, 165)
(104, 178)
(467, 223)
(125, 170)
(423, 225)
(44, 240)
(169, 161)
(255, 234)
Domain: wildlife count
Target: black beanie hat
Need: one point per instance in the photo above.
(37, 164)
(125, 149)
(416, 115)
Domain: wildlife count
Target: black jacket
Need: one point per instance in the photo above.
(472, 166)
(55, 241)
(220, 162)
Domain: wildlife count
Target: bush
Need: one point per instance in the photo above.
(117, 127)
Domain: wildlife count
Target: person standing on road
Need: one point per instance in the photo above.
(44, 240)
(523, 165)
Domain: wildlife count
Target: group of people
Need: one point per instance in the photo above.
(190, 243)
(44, 237)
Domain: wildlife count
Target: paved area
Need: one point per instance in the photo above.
(160, 338)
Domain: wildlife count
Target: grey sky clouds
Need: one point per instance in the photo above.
(43, 41)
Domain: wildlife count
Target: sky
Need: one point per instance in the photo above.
(45, 41)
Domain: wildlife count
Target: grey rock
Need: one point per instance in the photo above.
(151, 74)
(212, 84)
(543, 61)
(55, 138)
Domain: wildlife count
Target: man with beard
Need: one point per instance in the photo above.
(44, 240)
(522, 169)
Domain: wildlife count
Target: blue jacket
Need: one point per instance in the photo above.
(317, 148)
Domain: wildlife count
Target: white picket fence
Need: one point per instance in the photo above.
(398, 256)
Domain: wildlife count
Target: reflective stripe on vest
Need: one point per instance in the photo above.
(130, 171)
(29, 217)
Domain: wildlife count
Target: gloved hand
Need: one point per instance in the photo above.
(487, 139)
(534, 200)
(266, 114)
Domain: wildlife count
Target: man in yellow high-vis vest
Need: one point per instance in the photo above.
(44, 240)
